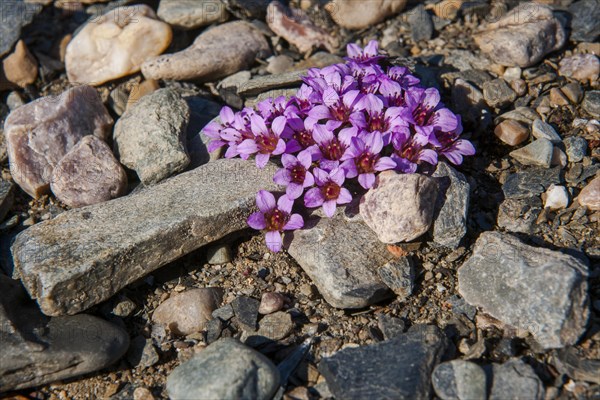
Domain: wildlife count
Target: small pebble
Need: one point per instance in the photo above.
(511, 132)
(576, 147)
(556, 198)
(271, 302)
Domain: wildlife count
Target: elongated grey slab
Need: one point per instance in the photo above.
(84, 256)
(269, 82)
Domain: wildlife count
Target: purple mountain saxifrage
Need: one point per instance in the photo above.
(345, 124)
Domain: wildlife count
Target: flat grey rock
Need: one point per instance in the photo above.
(459, 380)
(342, 259)
(497, 93)
(538, 153)
(576, 147)
(150, 138)
(530, 182)
(515, 380)
(191, 14)
(591, 103)
(15, 15)
(84, 256)
(37, 350)
(541, 129)
(584, 24)
(226, 370)
(537, 290)
(398, 368)
(421, 24)
(269, 82)
(452, 206)
(519, 215)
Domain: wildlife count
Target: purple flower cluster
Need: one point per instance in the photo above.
(347, 121)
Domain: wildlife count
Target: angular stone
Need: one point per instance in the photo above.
(116, 44)
(591, 103)
(39, 134)
(84, 256)
(217, 255)
(218, 52)
(294, 26)
(137, 92)
(567, 361)
(421, 24)
(519, 215)
(459, 380)
(246, 311)
(400, 207)
(347, 15)
(452, 206)
(226, 369)
(151, 136)
(589, 196)
(342, 258)
(6, 197)
(573, 92)
(515, 380)
(88, 174)
(543, 130)
(537, 290)
(530, 182)
(15, 15)
(511, 132)
(390, 326)
(276, 326)
(497, 93)
(245, 9)
(524, 115)
(399, 275)
(20, 67)
(37, 350)
(584, 22)
(538, 153)
(556, 198)
(399, 368)
(188, 312)
(142, 353)
(523, 36)
(192, 14)
(576, 147)
(269, 82)
(583, 67)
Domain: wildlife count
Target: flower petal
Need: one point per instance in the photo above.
(296, 222)
(313, 198)
(294, 190)
(273, 240)
(329, 208)
(385, 163)
(349, 167)
(262, 160)
(258, 125)
(278, 125)
(345, 196)
(320, 176)
(285, 204)
(282, 177)
(248, 146)
(257, 221)
(305, 159)
(338, 176)
(309, 180)
(288, 160)
(366, 180)
(265, 201)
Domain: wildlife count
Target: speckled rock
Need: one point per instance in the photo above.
(218, 52)
(538, 153)
(347, 15)
(188, 312)
(459, 380)
(88, 174)
(583, 67)
(537, 290)
(515, 380)
(192, 14)
(86, 255)
(115, 45)
(226, 370)
(400, 206)
(523, 36)
(342, 257)
(16, 14)
(39, 134)
(150, 138)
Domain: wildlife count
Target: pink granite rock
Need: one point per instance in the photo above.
(523, 36)
(583, 67)
(298, 29)
(39, 134)
(590, 195)
(88, 174)
(400, 207)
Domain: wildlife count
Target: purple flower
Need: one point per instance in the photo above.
(214, 129)
(452, 147)
(410, 150)
(402, 76)
(295, 174)
(377, 118)
(266, 142)
(427, 113)
(274, 218)
(369, 55)
(329, 147)
(362, 159)
(329, 191)
(270, 108)
(337, 107)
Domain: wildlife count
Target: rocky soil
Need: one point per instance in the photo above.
(127, 268)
